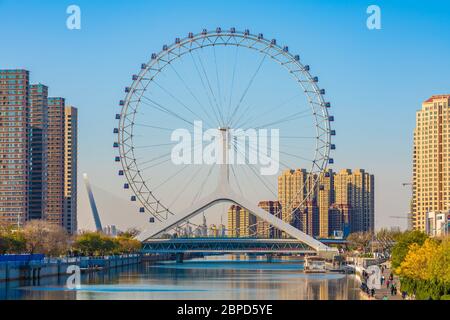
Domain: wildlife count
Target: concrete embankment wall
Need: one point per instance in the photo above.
(53, 267)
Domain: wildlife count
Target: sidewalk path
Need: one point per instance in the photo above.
(384, 291)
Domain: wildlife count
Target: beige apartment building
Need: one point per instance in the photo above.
(241, 223)
(295, 188)
(325, 201)
(355, 191)
(431, 162)
(263, 228)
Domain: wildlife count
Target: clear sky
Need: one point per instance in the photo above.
(375, 79)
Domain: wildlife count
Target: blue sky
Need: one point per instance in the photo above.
(375, 79)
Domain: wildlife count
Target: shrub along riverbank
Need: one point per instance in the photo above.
(423, 265)
(39, 237)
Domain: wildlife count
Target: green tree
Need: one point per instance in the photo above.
(126, 245)
(11, 240)
(404, 241)
(89, 243)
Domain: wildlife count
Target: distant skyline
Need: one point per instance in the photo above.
(375, 79)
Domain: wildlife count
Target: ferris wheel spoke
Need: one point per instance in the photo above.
(295, 156)
(207, 94)
(154, 145)
(169, 178)
(294, 116)
(230, 121)
(155, 164)
(199, 192)
(155, 158)
(237, 180)
(243, 114)
(257, 175)
(209, 86)
(178, 100)
(264, 113)
(188, 182)
(281, 162)
(192, 94)
(219, 91)
(232, 82)
(161, 108)
(153, 127)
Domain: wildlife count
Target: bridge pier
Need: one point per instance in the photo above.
(179, 257)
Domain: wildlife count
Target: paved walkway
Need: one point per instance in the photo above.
(384, 291)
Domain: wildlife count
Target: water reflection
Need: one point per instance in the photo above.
(218, 277)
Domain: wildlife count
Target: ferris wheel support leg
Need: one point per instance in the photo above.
(281, 225)
(257, 211)
(191, 212)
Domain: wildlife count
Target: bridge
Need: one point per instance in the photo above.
(232, 245)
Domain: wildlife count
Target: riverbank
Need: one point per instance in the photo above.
(47, 267)
(384, 293)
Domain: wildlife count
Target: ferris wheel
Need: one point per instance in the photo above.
(236, 83)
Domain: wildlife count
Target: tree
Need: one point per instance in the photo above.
(360, 240)
(425, 270)
(126, 245)
(130, 233)
(89, 243)
(11, 241)
(418, 262)
(45, 238)
(404, 241)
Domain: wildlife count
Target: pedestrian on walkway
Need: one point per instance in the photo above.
(387, 284)
(372, 292)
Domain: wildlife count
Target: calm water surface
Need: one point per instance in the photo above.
(218, 277)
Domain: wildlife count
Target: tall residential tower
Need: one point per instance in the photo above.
(70, 169)
(431, 164)
(14, 146)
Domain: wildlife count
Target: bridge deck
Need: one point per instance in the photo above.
(225, 245)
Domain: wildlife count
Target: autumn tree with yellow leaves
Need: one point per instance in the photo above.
(425, 270)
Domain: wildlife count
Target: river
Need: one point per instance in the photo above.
(215, 277)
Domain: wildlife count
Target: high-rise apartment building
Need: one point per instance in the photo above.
(38, 151)
(55, 184)
(431, 164)
(295, 188)
(241, 223)
(356, 191)
(14, 146)
(263, 228)
(38, 154)
(70, 169)
(325, 201)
